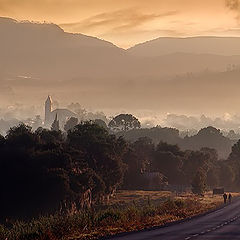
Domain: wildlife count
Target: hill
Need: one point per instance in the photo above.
(41, 58)
(195, 45)
(45, 50)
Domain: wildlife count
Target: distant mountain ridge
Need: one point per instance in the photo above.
(45, 51)
(195, 45)
(12, 26)
(41, 58)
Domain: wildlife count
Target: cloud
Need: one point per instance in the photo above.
(120, 20)
(233, 4)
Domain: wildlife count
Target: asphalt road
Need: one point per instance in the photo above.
(223, 224)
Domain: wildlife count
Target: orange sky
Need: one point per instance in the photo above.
(128, 22)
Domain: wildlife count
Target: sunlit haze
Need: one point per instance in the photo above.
(128, 22)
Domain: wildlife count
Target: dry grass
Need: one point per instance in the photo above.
(127, 211)
(124, 197)
(140, 198)
(165, 207)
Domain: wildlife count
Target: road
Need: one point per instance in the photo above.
(223, 224)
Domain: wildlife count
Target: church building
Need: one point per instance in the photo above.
(50, 115)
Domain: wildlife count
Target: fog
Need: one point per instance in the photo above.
(168, 82)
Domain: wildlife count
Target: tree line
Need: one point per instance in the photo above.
(200, 169)
(47, 170)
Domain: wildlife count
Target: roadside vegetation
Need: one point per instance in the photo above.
(128, 211)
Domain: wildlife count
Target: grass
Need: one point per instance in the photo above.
(127, 211)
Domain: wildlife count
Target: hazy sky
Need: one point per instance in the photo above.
(127, 22)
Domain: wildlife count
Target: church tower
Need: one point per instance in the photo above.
(48, 110)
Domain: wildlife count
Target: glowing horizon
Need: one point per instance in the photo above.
(129, 22)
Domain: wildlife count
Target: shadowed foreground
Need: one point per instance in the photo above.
(221, 224)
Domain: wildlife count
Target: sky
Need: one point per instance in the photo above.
(129, 22)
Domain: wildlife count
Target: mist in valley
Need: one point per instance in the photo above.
(86, 124)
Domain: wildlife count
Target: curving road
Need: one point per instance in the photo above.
(223, 224)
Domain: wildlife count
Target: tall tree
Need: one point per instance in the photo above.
(124, 122)
(55, 125)
(104, 152)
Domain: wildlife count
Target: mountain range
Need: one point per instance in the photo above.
(42, 58)
(226, 46)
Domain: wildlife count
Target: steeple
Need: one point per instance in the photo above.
(49, 100)
(48, 110)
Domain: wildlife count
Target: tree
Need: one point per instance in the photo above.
(133, 178)
(124, 122)
(195, 160)
(144, 150)
(169, 165)
(2, 141)
(157, 134)
(104, 152)
(165, 147)
(70, 124)
(101, 123)
(49, 139)
(235, 154)
(21, 136)
(138, 159)
(199, 183)
(232, 135)
(168, 160)
(213, 177)
(209, 137)
(55, 125)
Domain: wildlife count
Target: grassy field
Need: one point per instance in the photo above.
(140, 197)
(155, 208)
(127, 211)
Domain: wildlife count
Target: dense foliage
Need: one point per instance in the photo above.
(200, 169)
(47, 171)
(207, 137)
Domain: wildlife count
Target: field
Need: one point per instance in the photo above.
(126, 211)
(155, 197)
(155, 208)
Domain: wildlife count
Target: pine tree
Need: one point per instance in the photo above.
(55, 125)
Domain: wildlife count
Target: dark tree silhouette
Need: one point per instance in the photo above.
(235, 154)
(124, 122)
(2, 141)
(169, 161)
(104, 152)
(70, 124)
(209, 137)
(55, 125)
(21, 136)
(101, 123)
(199, 182)
(44, 171)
